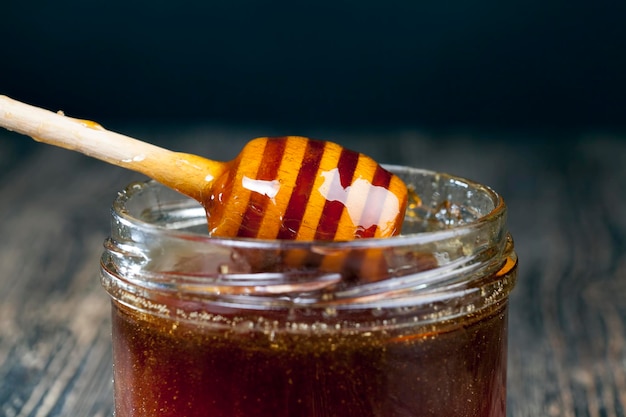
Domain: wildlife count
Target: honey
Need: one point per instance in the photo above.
(304, 189)
(175, 369)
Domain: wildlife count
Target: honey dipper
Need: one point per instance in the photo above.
(287, 188)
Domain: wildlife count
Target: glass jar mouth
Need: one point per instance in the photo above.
(192, 218)
(452, 245)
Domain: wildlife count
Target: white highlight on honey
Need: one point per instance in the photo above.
(264, 187)
(354, 196)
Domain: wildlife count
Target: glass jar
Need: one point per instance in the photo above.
(414, 325)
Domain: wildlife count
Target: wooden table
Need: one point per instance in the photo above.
(567, 212)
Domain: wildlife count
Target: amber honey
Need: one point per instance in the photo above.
(168, 369)
(299, 188)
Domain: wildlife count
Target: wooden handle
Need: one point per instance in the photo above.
(189, 174)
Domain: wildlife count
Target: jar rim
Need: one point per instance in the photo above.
(156, 246)
(497, 212)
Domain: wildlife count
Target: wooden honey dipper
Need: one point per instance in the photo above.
(276, 188)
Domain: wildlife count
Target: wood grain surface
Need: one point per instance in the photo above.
(567, 213)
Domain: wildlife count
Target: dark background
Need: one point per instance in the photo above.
(534, 64)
